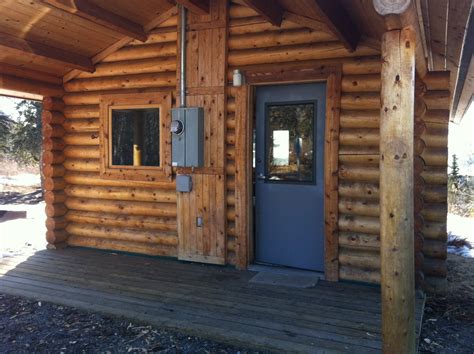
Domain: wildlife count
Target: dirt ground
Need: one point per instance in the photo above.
(448, 322)
(31, 326)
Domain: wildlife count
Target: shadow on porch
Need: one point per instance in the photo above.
(208, 301)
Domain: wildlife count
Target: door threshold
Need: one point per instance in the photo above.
(276, 269)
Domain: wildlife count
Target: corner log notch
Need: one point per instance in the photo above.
(53, 171)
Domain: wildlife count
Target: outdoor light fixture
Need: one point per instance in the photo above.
(237, 79)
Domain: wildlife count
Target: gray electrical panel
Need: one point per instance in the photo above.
(187, 128)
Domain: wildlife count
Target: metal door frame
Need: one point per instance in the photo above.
(245, 114)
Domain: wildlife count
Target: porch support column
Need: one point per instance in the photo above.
(399, 49)
(396, 191)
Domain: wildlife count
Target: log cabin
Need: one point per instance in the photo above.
(306, 134)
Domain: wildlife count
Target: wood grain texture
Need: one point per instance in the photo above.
(40, 88)
(205, 243)
(331, 181)
(160, 19)
(96, 14)
(243, 177)
(396, 209)
(206, 69)
(55, 55)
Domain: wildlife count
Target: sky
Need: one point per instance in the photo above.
(461, 136)
(461, 142)
(7, 106)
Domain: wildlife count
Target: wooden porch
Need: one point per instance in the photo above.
(208, 301)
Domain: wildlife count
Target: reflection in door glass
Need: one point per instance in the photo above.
(290, 142)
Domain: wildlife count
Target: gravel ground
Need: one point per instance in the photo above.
(448, 322)
(32, 326)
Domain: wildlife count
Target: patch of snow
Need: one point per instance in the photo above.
(22, 179)
(463, 228)
(18, 235)
(462, 251)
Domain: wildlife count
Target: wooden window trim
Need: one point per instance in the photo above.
(161, 100)
(244, 96)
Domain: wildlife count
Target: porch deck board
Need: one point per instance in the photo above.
(208, 301)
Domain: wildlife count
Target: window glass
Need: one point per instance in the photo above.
(135, 137)
(290, 142)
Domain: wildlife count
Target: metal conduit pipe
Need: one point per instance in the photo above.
(182, 86)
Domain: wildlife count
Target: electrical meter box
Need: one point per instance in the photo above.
(187, 130)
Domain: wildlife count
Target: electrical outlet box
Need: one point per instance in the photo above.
(184, 183)
(187, 128)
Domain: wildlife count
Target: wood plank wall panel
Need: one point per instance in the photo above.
(205, 244)
(206, 64)
(255, 43)
(112, 214)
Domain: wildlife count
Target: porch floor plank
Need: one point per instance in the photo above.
(208, 301)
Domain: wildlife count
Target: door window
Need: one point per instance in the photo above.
(290, 142)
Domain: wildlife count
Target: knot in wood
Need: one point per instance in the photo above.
(395, 148)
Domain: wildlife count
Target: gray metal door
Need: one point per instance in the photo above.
(289, 175)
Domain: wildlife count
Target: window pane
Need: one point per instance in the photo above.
(136, 137)
(290, 142)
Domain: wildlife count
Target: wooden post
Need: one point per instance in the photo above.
(396, 191)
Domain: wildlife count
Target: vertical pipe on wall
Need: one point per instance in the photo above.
(182, 82)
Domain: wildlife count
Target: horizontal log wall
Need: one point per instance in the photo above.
(115, 214)
(359, 226)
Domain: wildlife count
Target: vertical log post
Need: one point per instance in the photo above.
(53, 171)
(399, 49)
(396, 191)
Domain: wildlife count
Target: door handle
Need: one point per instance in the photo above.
(261, 176)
